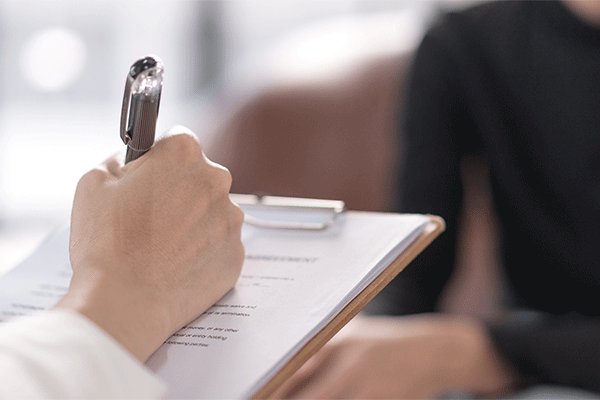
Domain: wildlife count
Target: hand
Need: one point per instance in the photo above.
(402, 357)
(154, 243)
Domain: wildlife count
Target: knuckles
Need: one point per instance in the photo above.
(238, 217)
(240, 253)
(185, 151)
(93, 178)
(183, 147)
(222, 178)
(213, 180)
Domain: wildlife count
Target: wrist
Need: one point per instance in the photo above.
(484, 370)
(133, 320)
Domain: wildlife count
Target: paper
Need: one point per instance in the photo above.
(292, 284)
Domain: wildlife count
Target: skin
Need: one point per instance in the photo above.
(421, 356)
(412, 357)
(586, 10)
(154, 243)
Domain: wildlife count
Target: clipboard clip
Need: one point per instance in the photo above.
(291, 213)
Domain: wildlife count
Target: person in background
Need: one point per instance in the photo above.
(153, 244)
(518, 84)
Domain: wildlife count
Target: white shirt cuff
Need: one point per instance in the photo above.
(61, 354)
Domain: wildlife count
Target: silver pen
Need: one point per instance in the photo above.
(141, 101)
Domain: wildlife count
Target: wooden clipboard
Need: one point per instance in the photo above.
(432, 230)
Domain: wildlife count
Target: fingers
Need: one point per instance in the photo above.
(161, 228)
(183, 143)
(114, 165)
(176, 130)
(180, 140)
(178, 144)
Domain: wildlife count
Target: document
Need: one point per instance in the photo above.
(293, 283)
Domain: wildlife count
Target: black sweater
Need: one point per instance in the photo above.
(519, 83)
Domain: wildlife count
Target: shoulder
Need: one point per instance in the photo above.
(481, 28)
(486, 17)
(484, 40)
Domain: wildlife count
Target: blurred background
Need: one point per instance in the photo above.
(63, 65)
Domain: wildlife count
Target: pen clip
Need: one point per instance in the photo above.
(148, 68)
(125, 133)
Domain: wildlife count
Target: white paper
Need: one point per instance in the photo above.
(292, 284)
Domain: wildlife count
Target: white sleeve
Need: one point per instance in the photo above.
(61, 354)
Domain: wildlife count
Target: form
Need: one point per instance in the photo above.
(291, 285)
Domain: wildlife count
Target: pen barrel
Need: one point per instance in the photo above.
(145, 112)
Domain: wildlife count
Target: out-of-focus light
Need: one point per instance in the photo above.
(53, 59)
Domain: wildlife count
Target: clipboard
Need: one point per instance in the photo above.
(433, 229)
(179, 364)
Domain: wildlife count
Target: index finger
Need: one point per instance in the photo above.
(114, 164)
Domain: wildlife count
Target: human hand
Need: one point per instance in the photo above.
(154, 243)
(416, 357)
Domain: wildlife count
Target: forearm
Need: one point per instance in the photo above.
(416, 357)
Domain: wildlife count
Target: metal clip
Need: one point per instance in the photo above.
(278, 205)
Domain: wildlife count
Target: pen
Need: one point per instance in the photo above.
(140, 105)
